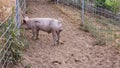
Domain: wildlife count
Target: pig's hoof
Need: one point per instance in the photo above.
(54, 44)
(33, 39)
(61, 43)
(37, 39)
(57, 43)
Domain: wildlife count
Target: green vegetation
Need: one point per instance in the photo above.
(104, 30)
(11, 44)
(112, 5)
(28, 66)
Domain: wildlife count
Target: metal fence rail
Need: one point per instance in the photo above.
(89, 6)
(11, 23)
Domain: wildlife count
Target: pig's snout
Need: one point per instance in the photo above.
(24, 26)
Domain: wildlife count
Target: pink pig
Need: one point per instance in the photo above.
(48, 25)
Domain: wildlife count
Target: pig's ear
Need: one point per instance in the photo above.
(26, 18)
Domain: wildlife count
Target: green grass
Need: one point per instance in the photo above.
(104, 30)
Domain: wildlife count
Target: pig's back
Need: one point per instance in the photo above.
(43, 20)
(46, 21)
(46, 24)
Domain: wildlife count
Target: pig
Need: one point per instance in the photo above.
(48, 25)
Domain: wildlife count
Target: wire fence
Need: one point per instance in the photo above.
(99, 17)
(9, 29)
(102, 20)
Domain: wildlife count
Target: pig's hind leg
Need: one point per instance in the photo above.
(37, 34)
(58, 37)
(54, 34)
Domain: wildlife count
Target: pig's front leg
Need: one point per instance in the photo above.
(34, 31)
(54, 34)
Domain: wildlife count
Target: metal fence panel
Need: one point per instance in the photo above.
(101, 21)
(11, 23)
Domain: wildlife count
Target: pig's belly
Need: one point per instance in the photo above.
(46, 29)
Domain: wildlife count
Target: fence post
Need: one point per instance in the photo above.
(24, 9)
(18, 16)
(57, 1)
(83, 8)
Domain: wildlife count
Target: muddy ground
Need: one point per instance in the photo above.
(77, 50)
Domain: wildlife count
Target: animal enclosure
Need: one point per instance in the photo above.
(84, 21)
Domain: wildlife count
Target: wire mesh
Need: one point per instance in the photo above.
(102, 21)
(101, 18)
(11, 23)
(97, 16)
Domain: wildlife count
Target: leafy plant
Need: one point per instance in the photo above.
(15, 46)
(28, 66)
(112, 5)
(100, 3)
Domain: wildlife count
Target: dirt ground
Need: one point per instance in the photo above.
(77, 50)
